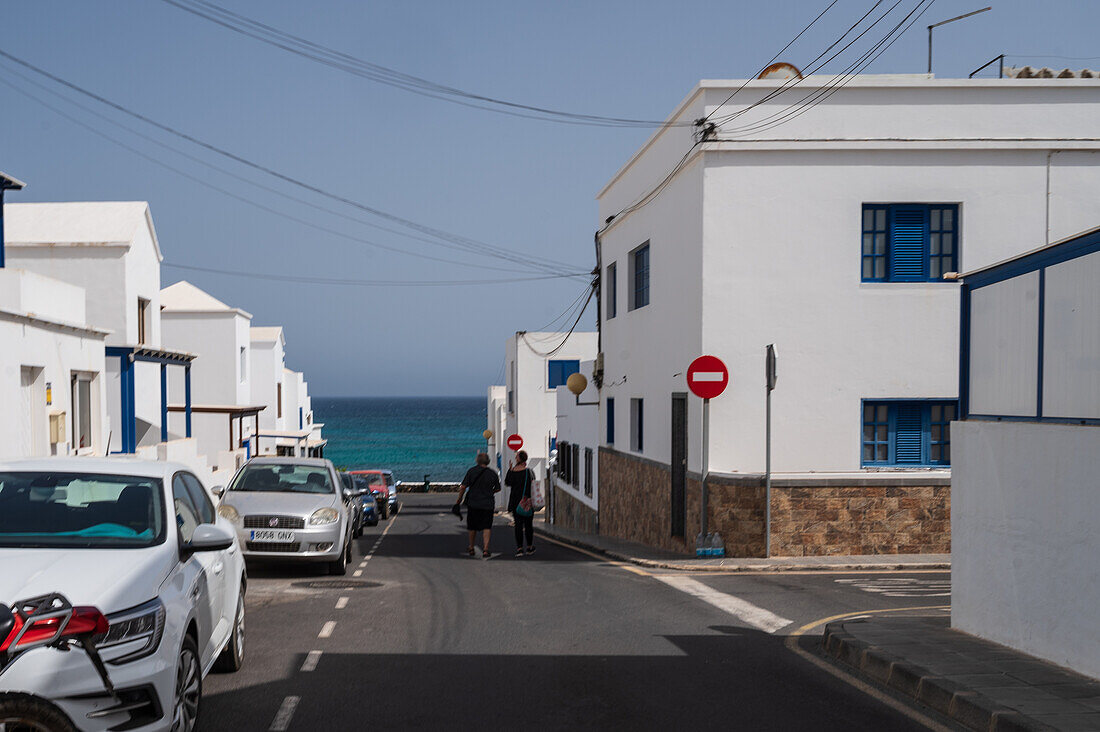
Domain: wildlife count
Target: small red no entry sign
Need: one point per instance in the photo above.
(707, 377)
(515, 442)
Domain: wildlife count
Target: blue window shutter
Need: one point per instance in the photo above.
(610, 421)
(908, 243)
(909, 434)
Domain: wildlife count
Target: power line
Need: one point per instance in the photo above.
(330, 57)
(456, 239)
(342, 281)
(230, 194)
(564, 340)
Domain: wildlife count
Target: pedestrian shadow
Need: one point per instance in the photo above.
(449, 541)
(738, 678)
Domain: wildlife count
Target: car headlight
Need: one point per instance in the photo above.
(324, 516)
(144, 622)
(229, 513)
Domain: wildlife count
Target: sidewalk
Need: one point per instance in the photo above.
(977, 683)
(629, 551)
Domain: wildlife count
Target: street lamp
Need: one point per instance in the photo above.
(577, 383)
(7, 183)
(945, 22)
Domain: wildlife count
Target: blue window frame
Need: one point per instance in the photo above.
(909, 242)
(611, 292)
(560, 371)
(610, 421)
(907, 432)
(639, 265)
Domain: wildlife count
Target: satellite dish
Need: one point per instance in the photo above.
(780, 70)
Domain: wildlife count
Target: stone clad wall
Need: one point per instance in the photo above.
(821, 516)
(570, 513)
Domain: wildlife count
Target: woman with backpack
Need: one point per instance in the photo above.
(521, 482)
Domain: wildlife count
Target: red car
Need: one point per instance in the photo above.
(380, 483)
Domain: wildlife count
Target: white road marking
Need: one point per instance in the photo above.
(357, 573)
(901, 586)
(362, 563)
(755, 616)
(285, 714)
(708, 376)
(341, 603)
(326, 629)
(312, 658)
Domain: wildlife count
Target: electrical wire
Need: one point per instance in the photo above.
(207, 184)
(564, 340)
(456, 239)
(565, 315)
(342, 281)
(330, 57)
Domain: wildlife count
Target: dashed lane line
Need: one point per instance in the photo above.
(312, 659)
(326, 629)
(743, 610)
(285, 714)
(342, 603)
(357, 573)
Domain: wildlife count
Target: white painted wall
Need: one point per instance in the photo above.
(1024, 512)
(266, 376)
(1071, 339)
(535, 403)
(757, 241)
(579, 425)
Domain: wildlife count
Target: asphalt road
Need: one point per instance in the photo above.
(426, 637)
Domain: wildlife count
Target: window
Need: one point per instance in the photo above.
(561, 370)
(142, 320)
(512, 389)
(199, 498)
(563, 460)
(588, 471)
(611, 292)
(610, 421)
(244, 365)
(636, 425)
(187, 516)
(639, 275)
(82, 411)
(574, 464)
(907, 433)
(279, 400)
(909, 242)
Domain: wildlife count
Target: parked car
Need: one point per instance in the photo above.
(349, 487)
(367, 501)
(384, 487)
(140, 543)
(291, 509)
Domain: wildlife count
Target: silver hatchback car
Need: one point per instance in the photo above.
(291, 509)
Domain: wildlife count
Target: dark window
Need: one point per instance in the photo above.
(199, 498)
(610, 421)
(187, 516)
(637, 426)
(279, 400)
(574, 465)
(904, 433)
(588, 471)
(611, 292)
(639, 266)
(142, 319)
(909, 242)
(560, 371)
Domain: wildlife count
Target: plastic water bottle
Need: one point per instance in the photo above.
(717, 547)
(700, 546)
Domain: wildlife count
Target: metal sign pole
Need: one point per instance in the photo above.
(705, 468)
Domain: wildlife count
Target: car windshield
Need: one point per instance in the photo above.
(63, 510)
(283, 479)
(389, 478)
(374, 479)
(360, 482)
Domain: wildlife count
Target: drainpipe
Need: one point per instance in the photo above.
(597, 375)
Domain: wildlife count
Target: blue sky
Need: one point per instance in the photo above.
(523, 184)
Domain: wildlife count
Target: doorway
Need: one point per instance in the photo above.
(679, 464)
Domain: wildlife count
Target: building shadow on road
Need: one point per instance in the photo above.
(737, 678)
(449, 541)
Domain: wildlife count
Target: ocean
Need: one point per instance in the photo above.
(413, 436)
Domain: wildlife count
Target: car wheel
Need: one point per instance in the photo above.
(232, 656)
(339, 567)
(31, 713)
(385, 510)
(185, 714)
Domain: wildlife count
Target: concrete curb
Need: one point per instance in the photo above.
(968, 708)
(754, 567)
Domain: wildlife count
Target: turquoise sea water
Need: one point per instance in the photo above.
(411, 436)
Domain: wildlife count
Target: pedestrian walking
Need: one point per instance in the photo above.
(478, 491)
(520, 480)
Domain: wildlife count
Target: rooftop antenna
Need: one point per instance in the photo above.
(945, 22)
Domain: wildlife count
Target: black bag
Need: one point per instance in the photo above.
(457, 511)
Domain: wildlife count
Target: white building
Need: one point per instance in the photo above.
(110, 250)
(268, 345)
(52, 382)
(1027, 455)
(827, 234)
(575, 492)
(533, 374)
(224, 417)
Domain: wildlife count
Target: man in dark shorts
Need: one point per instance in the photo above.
(478, 489)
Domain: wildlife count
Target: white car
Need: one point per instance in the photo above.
(141, 542)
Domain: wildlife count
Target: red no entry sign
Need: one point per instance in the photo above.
(515, 442)
(707, 377)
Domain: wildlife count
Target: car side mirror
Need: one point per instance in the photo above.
(208, 538)
(218, 490)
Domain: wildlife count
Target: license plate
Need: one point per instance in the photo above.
(270, 535)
